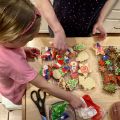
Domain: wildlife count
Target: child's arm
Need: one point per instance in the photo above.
(57, 92)
(46, 9)
(99, 24)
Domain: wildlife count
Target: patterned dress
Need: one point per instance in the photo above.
(78, 16)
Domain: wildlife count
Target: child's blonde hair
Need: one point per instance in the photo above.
(14, 17)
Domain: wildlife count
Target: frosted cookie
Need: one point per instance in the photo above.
(79, 47)
(82, 56)
(86, 83)
(98, 49)
(58, 73)
(84, 69)
(62, 83)
(110, 88)
(71, 84)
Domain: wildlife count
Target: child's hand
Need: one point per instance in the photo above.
(32, 53)
(76, 102)
(98, 27)
(59, 40)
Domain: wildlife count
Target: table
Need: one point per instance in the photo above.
(30, 111)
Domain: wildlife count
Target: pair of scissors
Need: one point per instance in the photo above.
(39, 100)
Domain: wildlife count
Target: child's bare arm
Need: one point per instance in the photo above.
(57, 92)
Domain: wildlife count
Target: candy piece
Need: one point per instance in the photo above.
(110, 88)
(82, 56)
(98, 49)
(84, 69)
(105, 57)
(86, 83)
(101, 62)
(79, 47)
(108, 62)
(72, 84)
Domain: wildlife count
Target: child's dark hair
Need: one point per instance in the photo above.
(15, 15)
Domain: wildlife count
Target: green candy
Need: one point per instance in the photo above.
(108, 62)
(79, 47)
(110, 88)
(58, 109)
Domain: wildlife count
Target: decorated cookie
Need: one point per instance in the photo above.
(58, 73)
(98, 49)
(62, 83)
(82, 56)
(79, 47)
(71, 84)
(86, 83)
(74, 75)
(84, 69)
(70, 53)
(110, 88)
(46, 72)
(73, 66)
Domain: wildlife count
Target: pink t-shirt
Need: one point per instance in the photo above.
(15, 73)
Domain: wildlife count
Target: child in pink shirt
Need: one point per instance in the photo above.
(19, 22)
